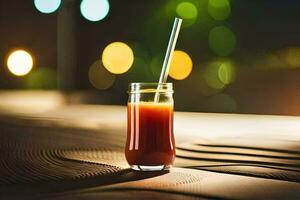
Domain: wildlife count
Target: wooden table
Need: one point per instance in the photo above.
(53, 149)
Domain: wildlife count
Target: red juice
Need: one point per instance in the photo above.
(150, 138)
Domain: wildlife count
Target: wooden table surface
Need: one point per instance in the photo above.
(53, 149)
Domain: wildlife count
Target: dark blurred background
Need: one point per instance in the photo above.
(231, 56)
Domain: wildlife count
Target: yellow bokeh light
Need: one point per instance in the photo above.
(181, 65)
(292, 57)
(117, 57)
(19, 62)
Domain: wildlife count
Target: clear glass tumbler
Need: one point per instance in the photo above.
(150, 144)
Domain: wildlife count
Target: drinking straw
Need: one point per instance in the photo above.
(169, 53)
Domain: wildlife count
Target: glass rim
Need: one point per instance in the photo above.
(149, 83)
(150, 87)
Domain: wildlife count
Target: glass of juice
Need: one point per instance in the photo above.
(150, 144)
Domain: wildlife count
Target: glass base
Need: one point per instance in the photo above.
(150, 168)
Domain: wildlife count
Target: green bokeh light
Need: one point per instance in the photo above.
(219, 73)
(219, 9)
(222, 40)
(47, 6)
(42, 78)
(226, 73)
(211, 75)
(187, 10)
(94, 10)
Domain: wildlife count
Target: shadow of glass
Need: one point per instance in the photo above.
(57, 188)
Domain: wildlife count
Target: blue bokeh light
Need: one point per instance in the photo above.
(47, 6)
(94, 10)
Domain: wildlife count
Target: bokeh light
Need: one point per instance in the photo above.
(19, 62)
(218, 74)
(226, 72)
(117, 57)
(187, 10)
(99, 77)
(222, 40)
(94, 10)
(211, 75)
(181, 65)
(47, 6)
(292, 57)
(42, 78)
(219, 9)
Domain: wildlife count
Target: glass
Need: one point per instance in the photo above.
(150, 144)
